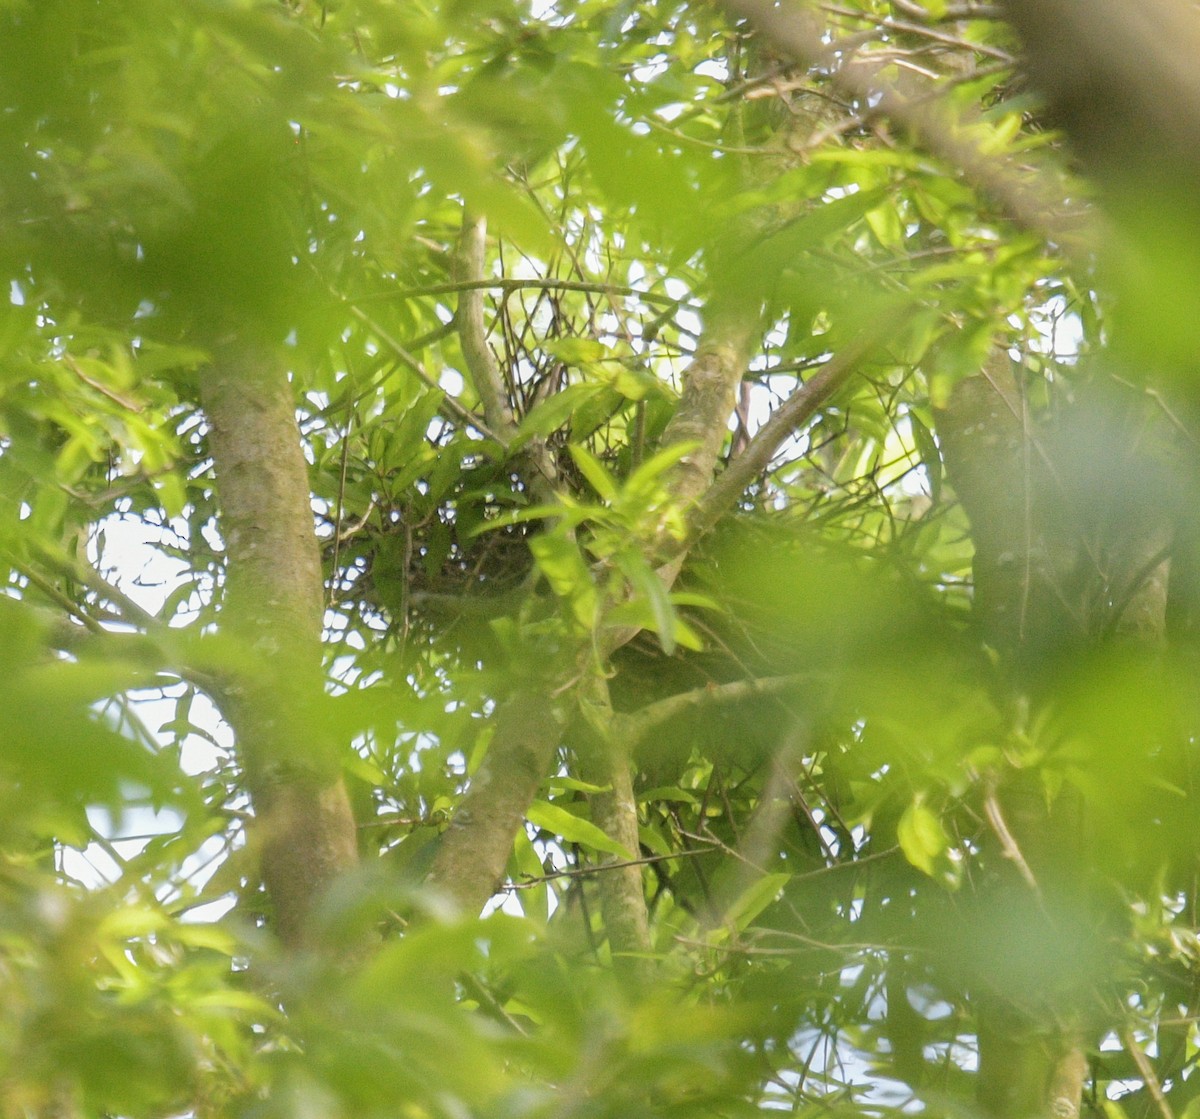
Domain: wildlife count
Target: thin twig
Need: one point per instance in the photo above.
(100, 387)
(512, 284)
(55, 595)
(1146, 1069)
(1008, 843)
(528, 883)
(86, 575)
(410, 363)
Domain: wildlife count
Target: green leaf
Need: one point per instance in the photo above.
(593, 470)
(548, 416)
(573, 784)
(649, 586)
(535, 900)
(669, 792)
(929, 453)
(561, 562)
(172, 493)
(755, 898)
(887, 226)
(922, 838)
(568, 515)
(572, 828)
(643, 479)
(577, 351)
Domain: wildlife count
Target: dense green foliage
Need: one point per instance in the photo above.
(870, 806)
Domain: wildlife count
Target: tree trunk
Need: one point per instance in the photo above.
(273, 605)
(1056, 573)
(1030, 1067)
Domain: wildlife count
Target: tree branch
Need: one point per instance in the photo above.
(1123, 79)
(481, 363)
(797, 410)
(792, 32)
(473, 851)
(635, 727)
(709, 396)
(485, 373)
(83, 573)
(606, 761)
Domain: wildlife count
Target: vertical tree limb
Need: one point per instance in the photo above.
(709, 395)
(701, 420)
(473, 852)
(273, 605)
(1044, 572)
(605, 754)
(758, 451)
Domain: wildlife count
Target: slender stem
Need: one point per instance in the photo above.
(511, 284)
(481, 362)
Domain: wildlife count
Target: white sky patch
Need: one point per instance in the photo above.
(451, 381)
(671, 111)
(714, 68)
(1060, 328)
(128, 551)
(134, 562)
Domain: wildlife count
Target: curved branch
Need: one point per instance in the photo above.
(481, 362)
(485, 373)
(635, 727)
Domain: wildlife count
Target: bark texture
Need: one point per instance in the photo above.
(622, 892)
(710, 396)
(273, 606)
(1024, 1071)
(606, 762)
(468, 866)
